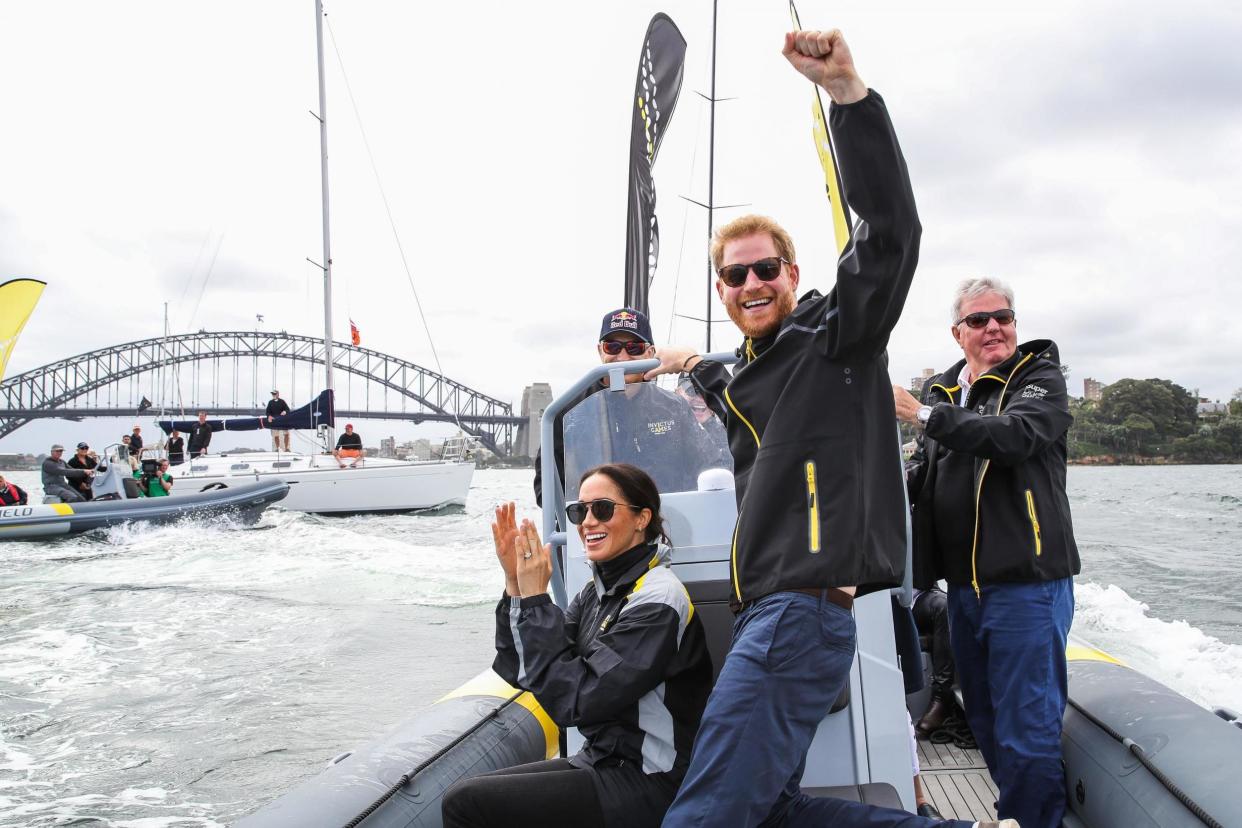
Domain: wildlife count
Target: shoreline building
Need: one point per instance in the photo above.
(536, 397)
(916, 383)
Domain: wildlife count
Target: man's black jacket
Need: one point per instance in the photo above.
(810, 410)
(276, 408)
(987, 480)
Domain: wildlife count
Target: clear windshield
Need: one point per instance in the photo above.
(651, 428)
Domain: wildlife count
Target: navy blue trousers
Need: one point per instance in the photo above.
(790, 657)
(1009, 644)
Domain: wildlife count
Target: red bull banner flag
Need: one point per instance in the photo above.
(660, 69)
(354, 336)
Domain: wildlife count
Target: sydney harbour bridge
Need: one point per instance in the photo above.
(230, 374)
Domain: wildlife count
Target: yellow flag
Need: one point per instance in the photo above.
(841, 220)
(18, 298)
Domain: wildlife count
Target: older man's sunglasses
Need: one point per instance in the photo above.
(734, 275)
(603, 509)
(612, 347)
(1005, 316)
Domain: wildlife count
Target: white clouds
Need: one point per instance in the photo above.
(1086, 154)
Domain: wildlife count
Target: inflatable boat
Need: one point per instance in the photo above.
(1136, 753)
(116, 500)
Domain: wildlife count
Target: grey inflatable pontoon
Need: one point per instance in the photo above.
(117, 501)
(1140, 755)
(483, 725)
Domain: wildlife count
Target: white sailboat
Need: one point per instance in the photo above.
(317, 483)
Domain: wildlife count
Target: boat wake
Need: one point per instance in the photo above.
(1199, 666)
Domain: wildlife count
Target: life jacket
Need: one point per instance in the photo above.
(11, 496)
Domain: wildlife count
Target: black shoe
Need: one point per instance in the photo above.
(931, 721)
(929, 810)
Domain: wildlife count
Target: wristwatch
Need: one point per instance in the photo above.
(923, 415)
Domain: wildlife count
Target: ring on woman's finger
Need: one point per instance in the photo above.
(529, 555)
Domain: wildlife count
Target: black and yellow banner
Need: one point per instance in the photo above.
(660, 68)
(842, 222)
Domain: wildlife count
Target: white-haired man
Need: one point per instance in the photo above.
(992, 518)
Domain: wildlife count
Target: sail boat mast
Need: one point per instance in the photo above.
(328, 357)
(711, 179)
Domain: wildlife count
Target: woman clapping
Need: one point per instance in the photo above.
(626, 664)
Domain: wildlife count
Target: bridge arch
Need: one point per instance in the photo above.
(53, 386)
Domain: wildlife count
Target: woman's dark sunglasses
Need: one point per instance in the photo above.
(734, 275)
(1005, 316)
(612, 347)
(603, 509)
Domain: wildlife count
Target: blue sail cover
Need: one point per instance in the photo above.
(319, 411)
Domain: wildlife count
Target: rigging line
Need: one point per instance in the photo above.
(388, 210)
(207, 278)
(197, 260)
(685, 218)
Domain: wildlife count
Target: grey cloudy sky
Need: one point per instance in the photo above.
(1086, 153)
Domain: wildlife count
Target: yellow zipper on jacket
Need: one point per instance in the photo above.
(737, 587)
(1030, 510)
(812, 502)
(974, 542)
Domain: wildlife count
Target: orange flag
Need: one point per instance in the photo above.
(353, 333)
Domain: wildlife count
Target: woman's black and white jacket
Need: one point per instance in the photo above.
(627, 665)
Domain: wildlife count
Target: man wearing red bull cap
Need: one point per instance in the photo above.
(625, 336)
(348, 447)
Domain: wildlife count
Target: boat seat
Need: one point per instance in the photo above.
(711, 604)
(131, 487)
(872, 793)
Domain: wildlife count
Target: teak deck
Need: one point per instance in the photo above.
(957, 782)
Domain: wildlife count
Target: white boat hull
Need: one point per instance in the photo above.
(317, 484)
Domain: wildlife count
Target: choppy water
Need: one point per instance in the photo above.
(184, 675)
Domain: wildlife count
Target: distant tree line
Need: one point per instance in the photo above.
(1155, 418)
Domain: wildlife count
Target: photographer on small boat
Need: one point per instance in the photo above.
(992, 518)
(626, 664)
(153, 479)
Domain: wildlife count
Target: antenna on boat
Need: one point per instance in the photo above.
(326, 267)
(711, 177)
(711, 206)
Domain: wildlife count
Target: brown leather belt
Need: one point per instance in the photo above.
(835, 595)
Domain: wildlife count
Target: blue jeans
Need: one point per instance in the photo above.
(1009, 644)
(790, 657)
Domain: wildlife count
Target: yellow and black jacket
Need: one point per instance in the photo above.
(810, 409)
(987, 481)
(627, 664)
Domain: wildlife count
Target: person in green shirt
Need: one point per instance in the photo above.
(157, 485)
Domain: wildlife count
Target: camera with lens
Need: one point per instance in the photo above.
(150, 471)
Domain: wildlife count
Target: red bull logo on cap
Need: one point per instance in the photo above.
(624, 319)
